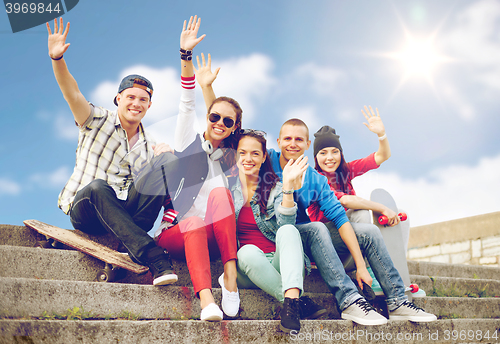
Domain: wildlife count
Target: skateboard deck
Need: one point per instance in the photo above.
(393, 237)
(113, 260)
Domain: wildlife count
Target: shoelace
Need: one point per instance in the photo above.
(411, 305)
(364, 305)
(293, 309)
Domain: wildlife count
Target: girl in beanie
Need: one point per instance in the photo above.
(330, 162)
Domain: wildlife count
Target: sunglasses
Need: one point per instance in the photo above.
(228, 121)
(252, 131)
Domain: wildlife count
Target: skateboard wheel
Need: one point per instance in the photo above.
(414, 288)
(383, 220)
(105, 275)
(43, 244)
(403, 216)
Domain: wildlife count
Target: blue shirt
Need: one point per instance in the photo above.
(315, 188)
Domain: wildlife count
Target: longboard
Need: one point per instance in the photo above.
(393, 237)
(113, 260)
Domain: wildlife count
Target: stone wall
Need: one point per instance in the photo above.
(473, 240)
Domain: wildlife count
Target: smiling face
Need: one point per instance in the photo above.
(329, 159)
(250, 156)
(293, 142)
(217, 131)
(133, 103)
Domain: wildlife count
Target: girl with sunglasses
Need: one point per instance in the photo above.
(198, 222)
(270, 256)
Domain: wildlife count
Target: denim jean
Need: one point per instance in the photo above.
(274, 272)
(319, 247)
(373, 247)
(96, 209)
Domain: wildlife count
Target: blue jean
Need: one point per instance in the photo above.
(318, 245)
(274, 272)
(373, 247)
(97, 210)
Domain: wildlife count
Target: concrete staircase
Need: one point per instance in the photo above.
(49, 296)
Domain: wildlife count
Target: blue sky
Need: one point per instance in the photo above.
(321, 61)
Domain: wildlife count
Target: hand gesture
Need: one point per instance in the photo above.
(293, 171)
(204, 73)
(374, 122)
(189, 33)
(57, 40)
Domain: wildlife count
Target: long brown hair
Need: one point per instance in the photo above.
(267, 177)
(230, 143)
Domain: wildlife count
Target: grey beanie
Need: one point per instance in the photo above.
(326, 137)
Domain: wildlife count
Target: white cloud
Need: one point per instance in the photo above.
(9, 187)
(54, 179)
(322, 80)
(308, 115)
(443, 194)
(474, 40)
(65, 127)
(247, 79)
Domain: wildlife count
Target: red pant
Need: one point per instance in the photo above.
(197, 241)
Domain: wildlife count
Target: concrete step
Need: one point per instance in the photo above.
(454, 286)
(23, 236)
(72, 265)
(31, 297)
(235, 332)
(453, 270)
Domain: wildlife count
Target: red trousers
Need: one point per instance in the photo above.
(199, 240)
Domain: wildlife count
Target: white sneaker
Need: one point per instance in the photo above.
(230, 299)
(211, 312)
(363, 313)
(408, 311)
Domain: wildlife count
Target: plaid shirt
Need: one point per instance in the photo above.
(103, 153)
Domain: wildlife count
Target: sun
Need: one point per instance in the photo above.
(418, 58)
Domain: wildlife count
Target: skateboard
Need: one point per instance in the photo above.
(113, 260)
(393, 239)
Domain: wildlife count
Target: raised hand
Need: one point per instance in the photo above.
(293, 171)
(57, 40)
(189, 34)
(375, 123)
(204, 74)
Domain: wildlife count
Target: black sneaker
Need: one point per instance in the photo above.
(309, 309)
(161, 266)
(290, 315)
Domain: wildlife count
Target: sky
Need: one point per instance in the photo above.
(432, 68)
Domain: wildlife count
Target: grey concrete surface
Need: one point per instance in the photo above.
(254, 331)
(30, 297)
(453, 270)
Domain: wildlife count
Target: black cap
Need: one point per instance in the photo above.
(130, 81)
(326, 137)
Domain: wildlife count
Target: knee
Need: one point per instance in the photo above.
(246, 255)
(167, 160)
(287, 231)
(95, 187)
(220, 193)
(193, 226)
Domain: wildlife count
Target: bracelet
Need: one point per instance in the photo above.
(60, 57)
(382, 138)
(186, 52)
(186, 57)
(287, 192)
